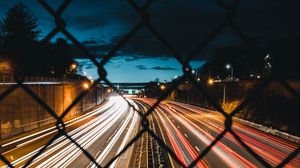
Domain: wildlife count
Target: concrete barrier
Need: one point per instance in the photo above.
(269, 130)
(20, 113)
(263, 128)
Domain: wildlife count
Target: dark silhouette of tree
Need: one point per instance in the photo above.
(20, 23)
(20, 32)
(243, 60)
(281, 60)
(19, 38)
(60, 58)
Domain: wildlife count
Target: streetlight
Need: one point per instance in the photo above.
(228, 66)
(211, 82)
(73, 66)
(162, 87)
(85, 85)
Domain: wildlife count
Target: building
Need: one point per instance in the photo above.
(6, 66)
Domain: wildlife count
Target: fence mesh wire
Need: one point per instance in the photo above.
(144, 22)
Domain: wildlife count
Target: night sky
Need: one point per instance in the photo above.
(100, 24)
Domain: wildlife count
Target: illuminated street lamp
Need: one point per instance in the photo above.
(228, 66)
(73, 66)
(162, 87)
(85, 85)
(211, 82)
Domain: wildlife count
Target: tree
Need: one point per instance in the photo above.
(60, 58)
(281, 60)
(20, 31)
(20, 34)
(244, 60)
(20, 23)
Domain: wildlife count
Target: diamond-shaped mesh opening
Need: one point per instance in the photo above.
(143, 57)
(155, 144)
(99, 35)
(268, 20)
(20, 113)
(185, 23)
(272, 107)
(26, 150)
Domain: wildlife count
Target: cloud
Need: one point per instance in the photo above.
(89, 42)
(87, 21)
(141, 67)
(128, 56)
(166, 68)
(90, 67)
(184, 24)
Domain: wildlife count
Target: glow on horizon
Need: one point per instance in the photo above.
(120, 70)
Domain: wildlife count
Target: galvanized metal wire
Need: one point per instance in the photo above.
(145, 22)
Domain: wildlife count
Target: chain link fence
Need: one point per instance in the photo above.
(144, 22)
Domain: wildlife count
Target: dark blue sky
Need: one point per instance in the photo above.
(99, 25)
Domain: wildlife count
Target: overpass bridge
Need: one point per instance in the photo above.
(127, 86)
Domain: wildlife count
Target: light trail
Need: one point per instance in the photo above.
(61, 141)
(62, 153)
(272, 148)
(183, 149)
(190, 123)
(132, 130)
(95, 130)
(68, 123)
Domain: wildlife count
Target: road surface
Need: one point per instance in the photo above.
(188, 130)
(102, 132)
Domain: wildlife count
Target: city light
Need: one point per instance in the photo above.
(162, 87)
(73, 66)
(228, 66)
(85, 85)
(210, 81)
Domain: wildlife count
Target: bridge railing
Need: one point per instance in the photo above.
(12, 79)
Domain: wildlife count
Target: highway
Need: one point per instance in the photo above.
(103, 132)
(188, 130)
(185, 129)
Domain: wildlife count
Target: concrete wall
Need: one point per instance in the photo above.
(20, 113)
